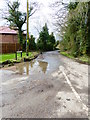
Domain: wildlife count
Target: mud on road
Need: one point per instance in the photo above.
(39, 89)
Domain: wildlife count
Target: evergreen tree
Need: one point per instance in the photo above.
(52, 38)
(45, 41)
(43, 38)
(32, 44)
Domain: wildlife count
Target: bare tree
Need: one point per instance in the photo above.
(59, 15)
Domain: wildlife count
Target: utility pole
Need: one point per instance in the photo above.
(27, 37)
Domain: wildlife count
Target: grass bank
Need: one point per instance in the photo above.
(81, 59)
(11, 58)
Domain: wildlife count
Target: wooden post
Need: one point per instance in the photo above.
(16, 55)
(21, 54)
(27, 29)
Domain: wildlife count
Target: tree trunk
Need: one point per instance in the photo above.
(20, 35)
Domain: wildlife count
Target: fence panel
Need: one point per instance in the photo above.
(9, 47)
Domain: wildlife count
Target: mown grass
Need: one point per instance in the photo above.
(12, 56)
(81, 59)
(67, 55)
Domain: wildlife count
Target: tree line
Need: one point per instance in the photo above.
(45, 41)
(76, 31)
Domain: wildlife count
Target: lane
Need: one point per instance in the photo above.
(39, 89)
(74, 91)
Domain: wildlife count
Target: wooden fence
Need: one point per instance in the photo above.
(9, 47)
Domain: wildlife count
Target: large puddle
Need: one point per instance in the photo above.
(38, 69)
(45, 63)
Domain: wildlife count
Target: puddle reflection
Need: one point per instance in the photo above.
(46, 63)
(33, 66)
(43, 66)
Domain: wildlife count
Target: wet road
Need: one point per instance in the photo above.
(52, 86)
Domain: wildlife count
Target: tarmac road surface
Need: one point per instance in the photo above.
(52, 86)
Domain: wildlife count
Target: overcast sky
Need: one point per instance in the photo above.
(43, 15)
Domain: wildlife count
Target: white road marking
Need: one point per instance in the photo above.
(73, 90)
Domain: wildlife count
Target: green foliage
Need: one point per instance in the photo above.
(43, 38)
(56, 45)
(72, 5)
(31, 44)
(75, 38)
(40, 45)
(45, 41)
(51, 38)
(88, 29)
(82, 59)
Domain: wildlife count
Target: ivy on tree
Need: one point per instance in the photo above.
(76, 37)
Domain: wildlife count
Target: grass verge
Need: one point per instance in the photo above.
(12, 57)
(82, 59)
